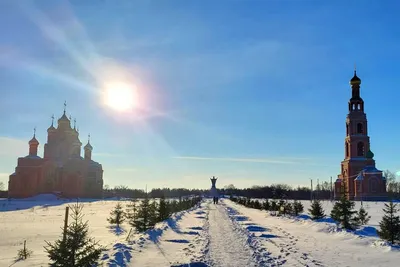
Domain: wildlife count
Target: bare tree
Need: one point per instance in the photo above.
(392, 185)
(2, 187)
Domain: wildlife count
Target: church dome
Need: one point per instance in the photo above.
(370, 154)
(355, 79)
(34, 141)
(88, 146)
(51, 129)
(63, 118)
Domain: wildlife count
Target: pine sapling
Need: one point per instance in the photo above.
(117, 216)
(343, 212)
(316, 210)
(145, 216)
(153, 213)
(163, 210)
(274, 206)
(256, 204)
(266, 204)
(77, 249)
(131, 214)
(297, 207)
(390, 224)
(288, 208)
(24, 253)
(363, 216)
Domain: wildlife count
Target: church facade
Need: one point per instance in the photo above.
(359, 178)
(62, 170)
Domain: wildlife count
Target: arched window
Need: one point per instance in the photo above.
(360, 128)
(360, 149)
(347, 129)
(347, 149)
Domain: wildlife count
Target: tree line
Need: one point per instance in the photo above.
(321, 190)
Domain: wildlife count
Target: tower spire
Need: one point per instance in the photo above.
(52, 120)
(74, 124)
(34, 132)
(65, 106)
(88, 149)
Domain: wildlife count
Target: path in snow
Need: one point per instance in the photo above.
(227, 246)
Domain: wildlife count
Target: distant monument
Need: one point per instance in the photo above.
(213, 190)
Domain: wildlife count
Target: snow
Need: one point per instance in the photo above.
(236, 253)
(220, 235)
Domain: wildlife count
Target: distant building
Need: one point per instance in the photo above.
(62, 170)
(359, 178)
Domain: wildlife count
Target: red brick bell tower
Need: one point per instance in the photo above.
(359, 177)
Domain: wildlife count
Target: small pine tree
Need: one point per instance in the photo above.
(316, 210)
(77, 249)
(24, 253)
(131, 213)
(173, 206)
(281, 203)
(153, 213)
(117, 215)
(163, 210)
(288, 208)
(145, 216)
(256, 204)
(343, 213)
(274, 205)
(248, 202)
(297, 207)
(266, 205)
(363, 216)
(390, 224)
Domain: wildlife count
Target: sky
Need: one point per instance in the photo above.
(253, 92)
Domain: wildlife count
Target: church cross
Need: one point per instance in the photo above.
(65, 106)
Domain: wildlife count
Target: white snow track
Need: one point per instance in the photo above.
(227, 246)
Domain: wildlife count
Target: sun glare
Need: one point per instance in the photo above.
(121, 96)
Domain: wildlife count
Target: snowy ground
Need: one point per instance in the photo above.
(208, 235)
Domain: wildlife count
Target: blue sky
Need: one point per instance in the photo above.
(254, 92)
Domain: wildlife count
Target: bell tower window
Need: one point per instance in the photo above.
(360, 149)
(347, 150)
(360, 128)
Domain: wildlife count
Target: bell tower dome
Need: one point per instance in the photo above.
(64, 123)
(88, 150)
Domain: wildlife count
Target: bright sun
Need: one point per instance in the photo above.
(121, 96)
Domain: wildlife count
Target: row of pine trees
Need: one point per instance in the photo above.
(76, 248)
(343, 213)
(280, 207)
(143, 215)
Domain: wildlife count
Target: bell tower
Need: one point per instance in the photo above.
(356, 142)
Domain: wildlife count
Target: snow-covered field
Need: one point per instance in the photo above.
(208, 235)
